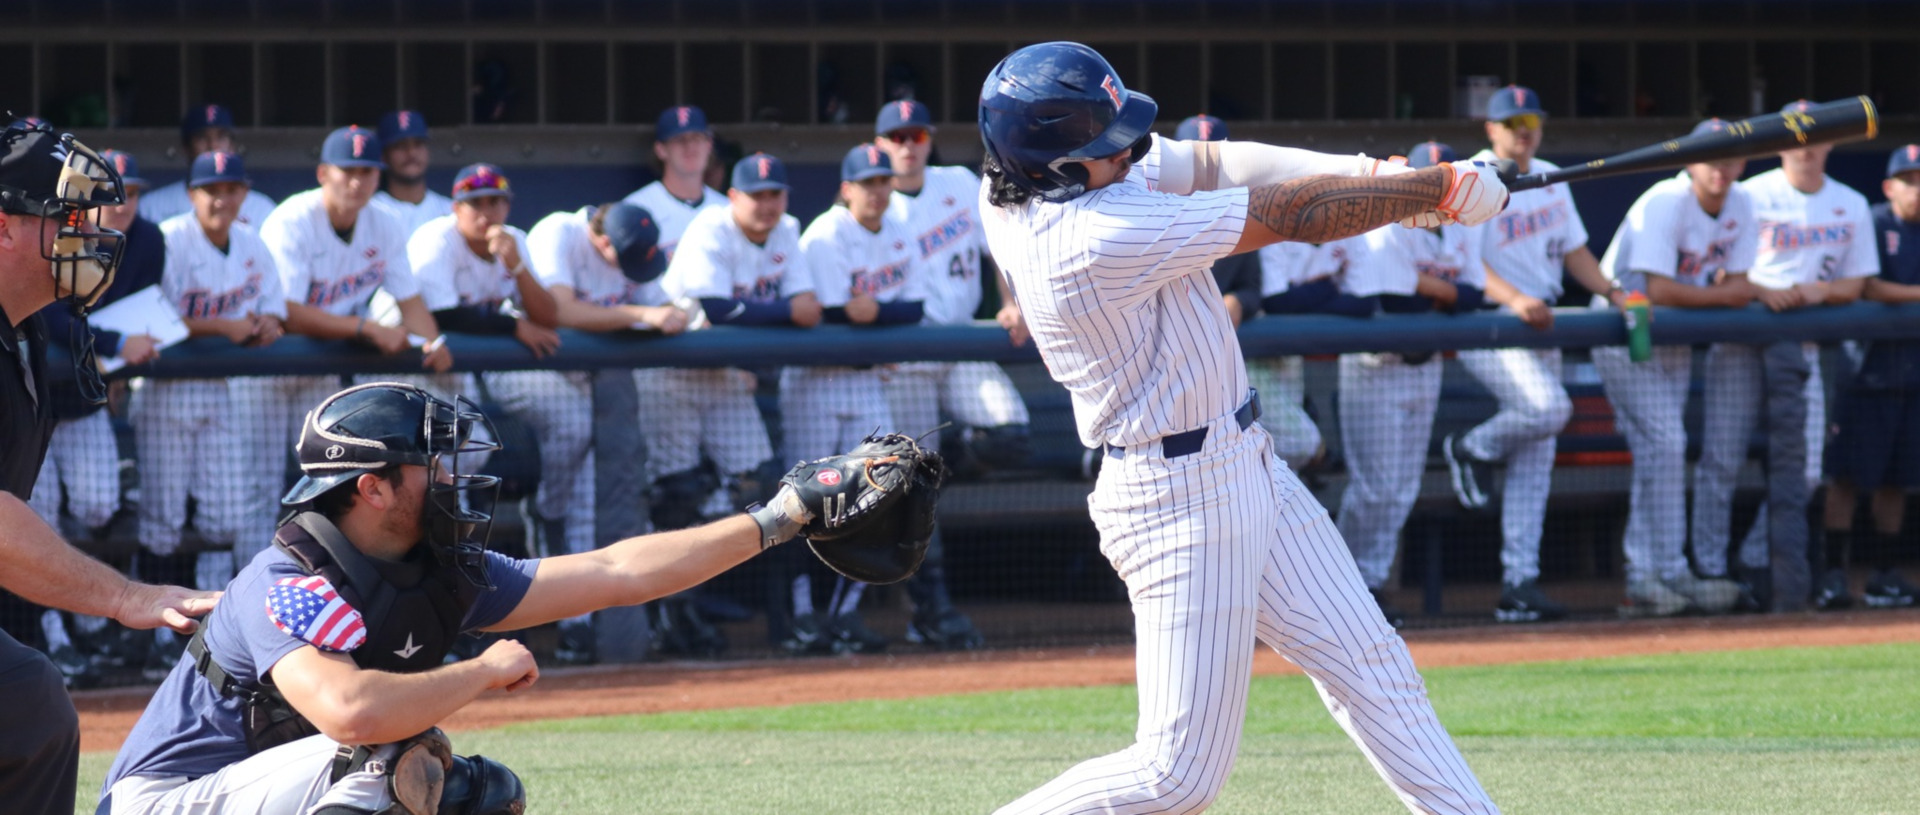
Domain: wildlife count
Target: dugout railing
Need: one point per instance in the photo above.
(1021, 548)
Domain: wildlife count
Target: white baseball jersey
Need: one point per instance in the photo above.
(943, 220)
(203, 283)
(1117, 287)
(1668, 234)
(715, 259)
(1528, 242)
(847, 260)
(450, 274)
(157, 205)
(672, 214)
(1289, 263)
(1805, 238)
(319, 269)
(1390, 260)
(560, 251)
(434, 205)
(1164, 358)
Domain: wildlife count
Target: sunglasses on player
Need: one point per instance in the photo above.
(1527, 121)
(905, 136)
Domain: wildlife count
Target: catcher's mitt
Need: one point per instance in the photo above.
(872, 507)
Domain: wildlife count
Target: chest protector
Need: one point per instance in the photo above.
(412, 611)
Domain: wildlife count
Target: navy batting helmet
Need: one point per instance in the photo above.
(1048, 107)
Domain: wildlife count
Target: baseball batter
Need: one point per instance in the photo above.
(939, 207)
(1108, 233)
(684, 144)
(332, 251)
(1387, 401)
(1526, 249)
(403, 146)
(1687, 242)
(203, 129)
(1814, 249)
(222, 281)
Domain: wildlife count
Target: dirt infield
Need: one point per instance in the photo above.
(105, 716)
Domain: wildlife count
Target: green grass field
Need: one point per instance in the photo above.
(1792, 731)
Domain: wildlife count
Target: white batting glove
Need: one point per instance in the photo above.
(1426, 220)
(1474, 193)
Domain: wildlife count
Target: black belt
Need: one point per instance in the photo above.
(1190, 442)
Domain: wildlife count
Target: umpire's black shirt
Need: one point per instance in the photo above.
(26, 408)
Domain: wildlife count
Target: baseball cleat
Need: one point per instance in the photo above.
(850, 635)
(1830, 594)
(1472, 478)
(1652, 598)
(948, 631)
(1889, 589)
(1525, 603)
(1712, 595)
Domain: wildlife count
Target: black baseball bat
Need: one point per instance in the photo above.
(1845, 120)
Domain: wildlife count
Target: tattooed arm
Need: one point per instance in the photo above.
(1323, 208)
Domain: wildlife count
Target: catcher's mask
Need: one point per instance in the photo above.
(366, 428)
(64, 183)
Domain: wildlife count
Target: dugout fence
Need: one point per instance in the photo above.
(1021, 554)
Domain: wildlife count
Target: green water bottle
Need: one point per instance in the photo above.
(1639, 327)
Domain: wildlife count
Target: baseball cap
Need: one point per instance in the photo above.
(402, 124)
(352, 146)
(128, 169)
(1201, 128)
(679, 120)
(1796, 106)
(1429, 153)
(1511, 101)
(1712, 125)
(205, 117)
(863, 162)
(636, 241)
(901, 114)
(759, 171)
(1906, 159)
(214, 167)
(480, 181)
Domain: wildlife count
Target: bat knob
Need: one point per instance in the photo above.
(1507, 169)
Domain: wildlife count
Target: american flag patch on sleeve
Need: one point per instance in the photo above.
(309, 610)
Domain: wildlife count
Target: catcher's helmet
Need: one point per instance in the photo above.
(366, 428)
(1048, 107)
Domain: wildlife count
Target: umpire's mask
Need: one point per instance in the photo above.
(366, 428)
(59, 180)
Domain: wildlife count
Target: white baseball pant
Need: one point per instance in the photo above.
(824, 411)
(189, 447)
(1386, 423)
(559, 407)
(1282, 384)
(82, 467)
(291, 778)
(1649, 408)
(1218, 548)
(1533, 408)
(268, 411)
(688, 411)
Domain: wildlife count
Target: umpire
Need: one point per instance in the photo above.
(51, 247)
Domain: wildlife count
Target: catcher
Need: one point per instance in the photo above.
(317, 686)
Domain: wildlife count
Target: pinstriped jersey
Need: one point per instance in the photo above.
(672, 214)
(1528, 242)
(449, 272)
(434, 205)
(1805, 238)
(319, 269)
(1390, 260)
(1668, 234)
(1117, 288)
(203, 283)
(560, 252)
(717, 260)
(944, 222)
(845, 259)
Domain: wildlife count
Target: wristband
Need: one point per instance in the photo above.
(782, 520)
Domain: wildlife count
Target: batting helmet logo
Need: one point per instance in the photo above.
(1112, 90)
(829, 478)
(334, 452)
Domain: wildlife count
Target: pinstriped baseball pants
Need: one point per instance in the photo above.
(1217, 549)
